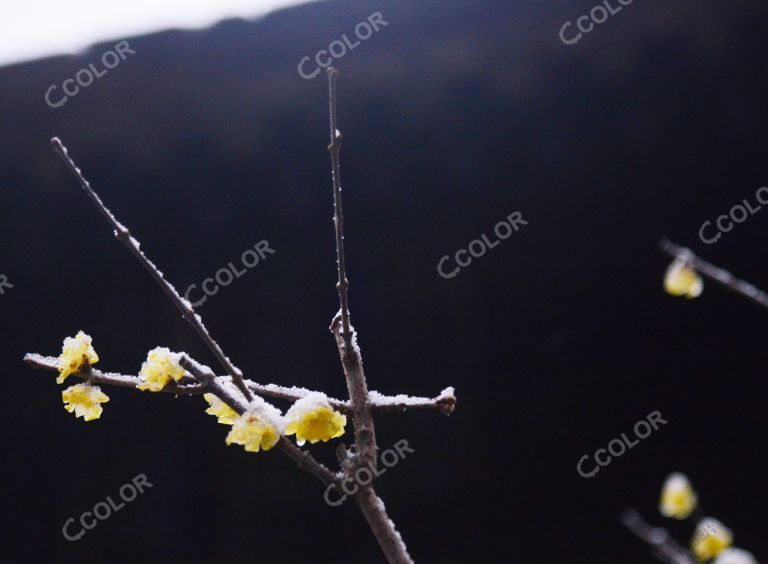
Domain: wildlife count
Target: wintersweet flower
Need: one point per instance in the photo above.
(76, 353)
(84, 400)
(735, 556)
(161, 367)
(258, 428)
(710, 539)
(226, 415)
(678, 500)
(313, 419)
(682, 280)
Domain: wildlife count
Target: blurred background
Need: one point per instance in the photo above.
(455, 114)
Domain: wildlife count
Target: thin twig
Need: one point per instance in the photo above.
(712, 272)
(445, 402)
(664, 547)
(96, 376)
(123, 235)
(383, 528)
(302, 458)
(338, 214)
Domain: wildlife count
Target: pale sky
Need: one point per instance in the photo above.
(30, 29)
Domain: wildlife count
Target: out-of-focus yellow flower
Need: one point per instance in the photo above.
(226, 415)
(735, 556)
(253, 431)
(710, 539)
(84, 400)
(76, 353)
(161, 367)
(682, 280)
(678, 500)
(313, 419)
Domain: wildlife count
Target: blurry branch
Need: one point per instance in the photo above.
(124, 236)
(664, 547)
(365, 451)
(712, 272)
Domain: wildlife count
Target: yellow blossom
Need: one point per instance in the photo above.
(253, 431)
(161, 367)
(710, 539)
(312, 419)
(682, 280)
(226, 414)
(678, 500)
(76, 353)
(84, 400)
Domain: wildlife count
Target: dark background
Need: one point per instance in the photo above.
(454, 115)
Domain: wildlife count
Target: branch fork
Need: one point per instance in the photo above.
(238, 392)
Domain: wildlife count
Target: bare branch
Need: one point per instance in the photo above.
(365, 453)
(712, 272)
(293, 393)
(338, 213)
(445, 402)
(123, 235)
(308, 463)
(664, 547)
(352, 363)
(389, 538)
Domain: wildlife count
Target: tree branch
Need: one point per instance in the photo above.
(445, 402)
(664, 547)
(302, 458)
(712, 272)
(338, 214)
(96, 376)
(365, 453)
(124, 236)
(205, 381)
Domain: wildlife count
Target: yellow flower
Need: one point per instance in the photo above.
(253, 432)
(84, 400)
(76, 353)
(682, 280)
(312, 419)
(678, 500)
(226, 414)
(160, 367)
(710, 539)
